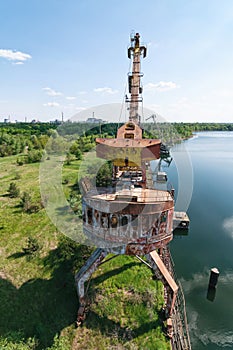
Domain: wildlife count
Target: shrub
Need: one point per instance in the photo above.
(33, 208)
(27, 204)
(13, 190)
(15, 341)
(20, 161)
(104, 175)
(34, 156)
(60, 343)
(32, 246)
(68, 158)
(25, 201)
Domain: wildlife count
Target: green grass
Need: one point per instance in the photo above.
(125, 308)
(38, 302)
(37, 296)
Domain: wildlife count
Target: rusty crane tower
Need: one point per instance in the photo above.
(132, 217)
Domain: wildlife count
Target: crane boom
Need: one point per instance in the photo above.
(134, 53)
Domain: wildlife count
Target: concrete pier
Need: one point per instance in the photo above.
(180, 220)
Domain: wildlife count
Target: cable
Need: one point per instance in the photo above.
(123, 100)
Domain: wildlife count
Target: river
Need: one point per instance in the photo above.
(209, 242)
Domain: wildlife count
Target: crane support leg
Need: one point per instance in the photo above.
(158, 264)
(83, 275)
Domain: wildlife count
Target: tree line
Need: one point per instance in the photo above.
(30, 140)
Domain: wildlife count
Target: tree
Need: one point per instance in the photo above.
(75, 149)
(68, 158)
(13, 190)
(104, 175)
(26, 201)
(78, 154)
(32, 245)
(34, 156)
(27, 204)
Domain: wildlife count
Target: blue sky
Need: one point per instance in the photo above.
(58, 55)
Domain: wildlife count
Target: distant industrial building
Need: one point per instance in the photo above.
(95, 120)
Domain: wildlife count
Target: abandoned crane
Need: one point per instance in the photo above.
(131, 217)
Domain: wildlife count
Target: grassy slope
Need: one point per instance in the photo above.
(32, 292)
(124, 308)
(38, 298)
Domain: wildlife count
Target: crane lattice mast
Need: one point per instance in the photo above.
(134, 53)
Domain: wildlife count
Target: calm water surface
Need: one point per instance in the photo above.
(209, 242)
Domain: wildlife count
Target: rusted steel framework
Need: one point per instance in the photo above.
(135, 51)
(131, 217)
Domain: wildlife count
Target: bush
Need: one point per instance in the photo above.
(104, 175)
(16, 341)
(25, 201)
(32, 246)
(71, 253)
(34, 208)
(34, 156)
(13, 190)
(27, 204)
(68, 158)
(20, 161)
(78, 154)
(74, 149)
(75, 201)
(60, 343)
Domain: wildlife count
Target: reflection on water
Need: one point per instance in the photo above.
(210, 239)
(211, 293)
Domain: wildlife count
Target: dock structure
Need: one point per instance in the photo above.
(180, 220)
(132, 217)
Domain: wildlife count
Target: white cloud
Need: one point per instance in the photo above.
(71, 98)
(161, 86)
(197, 280)
(228, 226)
(82, 92)
(18, 63)
(14, 55)
(106, 90)
(207, 336)
(51, 104)
(51, 92)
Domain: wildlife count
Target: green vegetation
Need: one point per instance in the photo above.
(29, 140)
(38, 301)
(125, 308)
(13, 190)
(171, 133)
(31, 292)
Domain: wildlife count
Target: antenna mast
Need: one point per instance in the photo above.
(135, 89)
